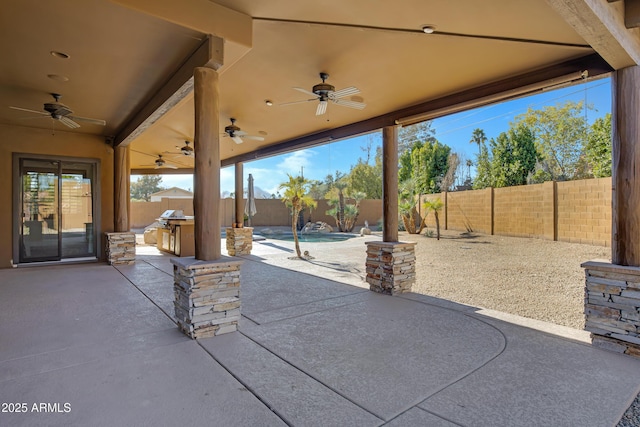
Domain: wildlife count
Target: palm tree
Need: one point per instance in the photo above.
(435, 205)
(296, 198)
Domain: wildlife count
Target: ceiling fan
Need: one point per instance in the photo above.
(162, 163)
(324, 92)
(58, 111)
(185, 150)
(237, 135)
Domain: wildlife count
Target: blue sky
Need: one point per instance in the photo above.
(454, 130)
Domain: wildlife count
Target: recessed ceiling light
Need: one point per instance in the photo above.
(60, 55)
(268, 102)
(428, 29)
(58, 77)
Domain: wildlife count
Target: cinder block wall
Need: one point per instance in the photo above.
(573, 211)
(520, 211)
(584, 211)
(470, 210)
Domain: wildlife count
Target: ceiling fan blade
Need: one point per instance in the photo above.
(347, 91)
(30, 111)
(322, 108)
(89, 120)
(255, 138)
(68, 122)
(239, 133)
(308, 92)
(299, 102)
(237, 139)
(350, 104)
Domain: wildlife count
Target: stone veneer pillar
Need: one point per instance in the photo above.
(207, 295)
(612, 306)
(121, 248)
(391, 267)
(239, 241)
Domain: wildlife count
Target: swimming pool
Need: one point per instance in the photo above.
(311, 237)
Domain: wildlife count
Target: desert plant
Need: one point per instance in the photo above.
(296, 198)
(411, 219)
(344, 212)
(435, 205)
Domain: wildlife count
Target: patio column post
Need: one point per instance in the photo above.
(239, 196)
(121, 188)
(612, 294)
(390, 183)
(121, 244)
(206, 198)
(239, 238)
(207, 288)
(390, 264)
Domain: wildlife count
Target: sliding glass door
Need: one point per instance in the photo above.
(56, 210)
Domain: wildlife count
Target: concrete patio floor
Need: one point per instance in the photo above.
(99, 345)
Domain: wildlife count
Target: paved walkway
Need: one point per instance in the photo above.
(98, 345)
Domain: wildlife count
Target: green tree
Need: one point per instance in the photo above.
(478, 137)
(560, 135)
(366, 178)
(598, 149)
(419, 132)
(145, 186)
(513, 157)
(484, 177)
(425, 163)
(296, 198)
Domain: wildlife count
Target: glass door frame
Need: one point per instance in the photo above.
(17, 202)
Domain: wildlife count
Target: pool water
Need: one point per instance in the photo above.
(316, 237)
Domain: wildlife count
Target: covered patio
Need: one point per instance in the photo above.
(312, 349)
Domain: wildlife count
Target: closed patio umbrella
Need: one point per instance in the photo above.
(250, 205)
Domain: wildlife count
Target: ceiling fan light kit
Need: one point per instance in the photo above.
(237, 135)
(324, 92)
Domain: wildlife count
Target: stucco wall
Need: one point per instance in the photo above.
(17, 139)
(270, 212)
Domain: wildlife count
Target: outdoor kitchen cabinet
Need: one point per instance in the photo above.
(176, 235)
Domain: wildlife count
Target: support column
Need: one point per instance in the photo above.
(625, 167)
(390, 264)
(612, 290)
(239, 238)
(121, 244)
(239, 196)
(390, 183)
(206, 198)
(121, 188)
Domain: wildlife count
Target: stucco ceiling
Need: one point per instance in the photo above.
(119, 57)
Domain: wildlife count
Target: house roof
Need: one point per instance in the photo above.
(129, 58)
(172, 191)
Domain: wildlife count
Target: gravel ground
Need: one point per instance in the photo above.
(532, 278)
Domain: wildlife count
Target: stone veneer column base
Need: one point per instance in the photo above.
(207, 296)
(612, 306)
(121, 248)
(391, 267)
(239, 241)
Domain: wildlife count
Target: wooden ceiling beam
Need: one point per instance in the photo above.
(632, 13)
(601, 23)
(179, 86)
(489, 94)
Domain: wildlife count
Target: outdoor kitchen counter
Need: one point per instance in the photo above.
(177, 237)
